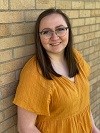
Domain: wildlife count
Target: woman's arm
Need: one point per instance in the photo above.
(26, 121)
(94, 128)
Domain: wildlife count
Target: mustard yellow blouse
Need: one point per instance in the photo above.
(62, 106)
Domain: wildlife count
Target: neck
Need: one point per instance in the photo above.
(56, 58)
(59, 64)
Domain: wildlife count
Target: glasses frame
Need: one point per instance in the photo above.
(41, 32)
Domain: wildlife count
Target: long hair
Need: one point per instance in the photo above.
(42, 57)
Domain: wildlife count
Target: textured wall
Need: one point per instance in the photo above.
(17, 19)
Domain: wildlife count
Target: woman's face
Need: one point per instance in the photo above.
(54, 42)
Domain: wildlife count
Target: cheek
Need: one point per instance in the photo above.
(43, 41)
(67, 37)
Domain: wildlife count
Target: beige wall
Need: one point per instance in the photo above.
(17, 18)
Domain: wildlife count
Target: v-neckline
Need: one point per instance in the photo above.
(68, 80)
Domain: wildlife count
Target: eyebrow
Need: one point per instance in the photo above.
(60, 26)
(55, 27)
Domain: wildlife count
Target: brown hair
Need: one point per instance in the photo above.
(42, 57)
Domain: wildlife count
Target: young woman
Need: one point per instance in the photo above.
(53, 91)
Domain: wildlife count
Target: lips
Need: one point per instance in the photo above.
(55, 44)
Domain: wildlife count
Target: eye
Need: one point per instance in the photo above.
(60, 29)
(45, 32)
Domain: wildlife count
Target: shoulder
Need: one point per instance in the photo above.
(32, 72)
(30, 63)
(78, 55)
(29, 69)
(82, 63)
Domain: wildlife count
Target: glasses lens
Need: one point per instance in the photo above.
(46, 33)
(61, 31)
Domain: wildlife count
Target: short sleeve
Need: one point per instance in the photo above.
(32, 93)
(82, 63)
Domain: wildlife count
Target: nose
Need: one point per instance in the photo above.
(54, 36)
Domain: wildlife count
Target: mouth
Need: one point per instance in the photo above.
(55, 44)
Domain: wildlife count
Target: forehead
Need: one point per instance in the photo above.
(52, 20)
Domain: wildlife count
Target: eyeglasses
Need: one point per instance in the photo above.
(47, 33)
